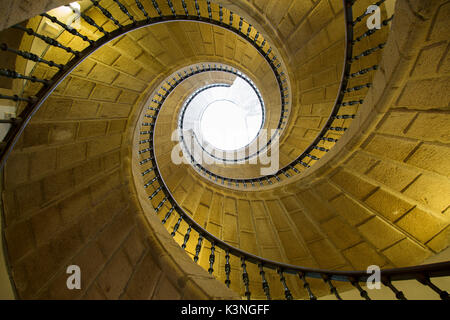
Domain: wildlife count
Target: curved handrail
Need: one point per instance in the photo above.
(198, 91)
(420, 273)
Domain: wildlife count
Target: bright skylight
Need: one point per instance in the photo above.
(232, 116)
(223, 117)
(227, 126)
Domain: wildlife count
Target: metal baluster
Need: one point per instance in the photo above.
(227, 269)
(241, 20)
(176, 226)
(155, 5)
(67, 28)
(425, 280)
(287, 175)
(145, 160)
(13, 121)
(245, 278)
(363, 293)
(167, 216)
(220, 13)
(197, 7)
(294, 169)
(321, 149)
(145, 141)
(304, 164)
(198, 247)
(106, 13)
(161, 204)
(170, 4)
(398, 294)
(231, 18)
(356, 88)
(366, 13)
(157, 101)
(46, 39)
(147, 171)
(371, 31)
(329, 139)
(211, 258)
(307, 286)
(141, 7)
(125, 10)
(209, 9)
(368, 52)
(312, 157)
(256, 36)
(265, 284)
(155, 193)
(183, 3)
(165, 90)
(30, 56)
(333, 289)
(89, 20)
(363, 71)
(249, 29)
(337, 128)
(364, 35)
(287, 292)
(15, 75)
(345, 116)
(17, 98)
(350, 103)
(148, 184)
(263, 43)
(186, 237)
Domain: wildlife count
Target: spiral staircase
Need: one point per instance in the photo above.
(358, 121)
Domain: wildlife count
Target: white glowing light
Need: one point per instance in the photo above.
(227, 127)
(228, 118)
(76, 6)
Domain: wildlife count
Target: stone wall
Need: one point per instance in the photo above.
(387, 176)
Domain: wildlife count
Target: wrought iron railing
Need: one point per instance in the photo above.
(34, 101)
(168, 206)
(223, 159)
(165, 204)
(163, 200)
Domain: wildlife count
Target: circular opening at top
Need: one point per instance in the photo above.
(227, 126)
(223, 116)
